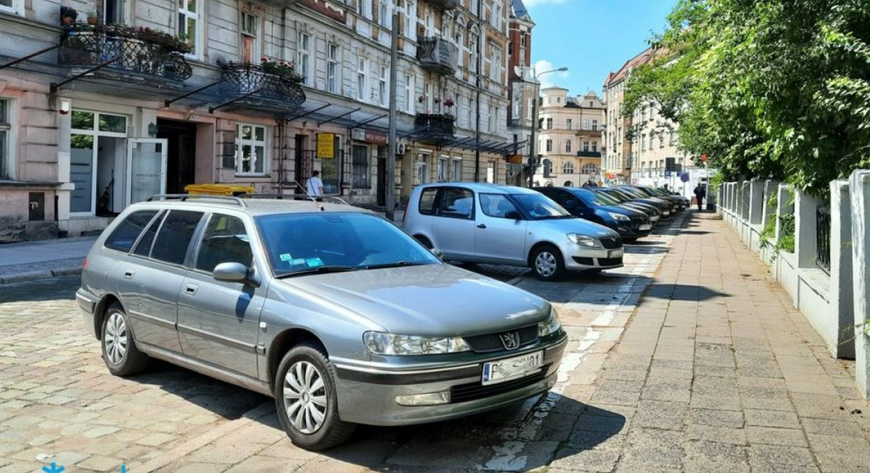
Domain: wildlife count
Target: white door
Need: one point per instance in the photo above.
(146, 160)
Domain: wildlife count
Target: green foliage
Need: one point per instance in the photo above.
(767, 88)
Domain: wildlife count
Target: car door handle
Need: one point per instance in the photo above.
(482, 225)
(129, 273)
(190, 289)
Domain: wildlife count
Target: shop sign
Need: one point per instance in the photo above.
(325, 145)
(515, 159)
(368, 136)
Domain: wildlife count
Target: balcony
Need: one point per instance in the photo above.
(136, 50)
(589, 154)
(268, 85)
(434, 127)
(443, 5)
(438, 55)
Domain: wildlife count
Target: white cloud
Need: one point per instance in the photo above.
(535, 3)
(551, 79)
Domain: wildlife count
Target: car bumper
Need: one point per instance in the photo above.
(368, 396)
(580, 258)
(634, 231)
(87, 303)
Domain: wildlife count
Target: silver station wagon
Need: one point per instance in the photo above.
(334, 311)
(487, 223)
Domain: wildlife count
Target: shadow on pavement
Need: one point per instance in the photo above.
(49, 289)
(682, 292)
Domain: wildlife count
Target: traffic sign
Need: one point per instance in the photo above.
(685, 177)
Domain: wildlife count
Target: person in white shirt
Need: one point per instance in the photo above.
(315, 185)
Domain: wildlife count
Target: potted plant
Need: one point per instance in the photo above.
(92, 17)
(68, 14)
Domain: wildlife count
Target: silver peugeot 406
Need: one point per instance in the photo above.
(334, 311)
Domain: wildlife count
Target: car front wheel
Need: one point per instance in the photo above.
(306, 399)
(547, 263)
(120, 353)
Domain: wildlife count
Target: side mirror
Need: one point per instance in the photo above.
(235, 272)
(513, 215)
(438, 253)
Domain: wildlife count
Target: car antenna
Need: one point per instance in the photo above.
(310, 197)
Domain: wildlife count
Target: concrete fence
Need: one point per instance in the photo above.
(818, 251)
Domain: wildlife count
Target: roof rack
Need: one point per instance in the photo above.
(185, 197)
(322, 198)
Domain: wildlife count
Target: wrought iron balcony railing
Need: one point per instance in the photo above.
(589, 154)
(438, 55)
(443, 5)
(263, 81)
(435, 124)
(138, 50)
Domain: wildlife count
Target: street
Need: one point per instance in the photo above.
(661, 374)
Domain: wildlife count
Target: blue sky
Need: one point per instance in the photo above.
(591, 37)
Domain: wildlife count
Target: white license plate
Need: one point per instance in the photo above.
(495, 372)
(645, 227)
(615, 253)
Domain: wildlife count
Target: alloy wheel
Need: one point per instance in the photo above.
(305, 397)
(545, 264)
(116, 338)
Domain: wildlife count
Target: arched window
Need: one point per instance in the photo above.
(548, 167)
(589, 168)
(568, 168)
(568, 184)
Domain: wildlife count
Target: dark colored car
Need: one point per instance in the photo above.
(653, 212)
(684, 201)
(679, 202)
(627, 196)
(586, 204)
(638, 194)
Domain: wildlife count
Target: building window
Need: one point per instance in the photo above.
(493, 119)
(671, 138)
(594, 125)
(442, 169)
(249, 27)
(495, 54)
(421, 176)
(361, 79)
(384, 13)
(568, 146)
(410, 19)
(661, 140)
(382, 86)
(549, 145)
(549, 123)
(594, 146)
(332, 68)
(113, 11)
(643, 142)
(457, 170)
(585, 146)
(589, 168)
(360, 166)
(568, 168)
(586, 124)
(189, 24)
(569, 124)
(5, 132)
(303, 59)
(651, 139)
(252, 150)
(472, 105)
(472, 51)
(409, 93)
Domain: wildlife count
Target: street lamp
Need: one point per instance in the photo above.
(534, 142)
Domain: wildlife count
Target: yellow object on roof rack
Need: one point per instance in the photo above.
(219, 189)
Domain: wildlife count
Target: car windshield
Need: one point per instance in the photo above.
(633, 192)
(596, 199)
(304, 243)
(616, 195)
(540, 207)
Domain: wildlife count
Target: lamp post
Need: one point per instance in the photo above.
(534, 142)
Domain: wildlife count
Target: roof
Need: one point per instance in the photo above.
(252, 206)
(484, 187)
(622, 73)
(520, 10)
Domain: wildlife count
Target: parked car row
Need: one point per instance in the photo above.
(552, 230)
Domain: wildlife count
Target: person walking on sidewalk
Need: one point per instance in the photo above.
(315, 185)
(700, 194)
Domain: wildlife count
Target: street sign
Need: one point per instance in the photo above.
(667, 174)
(685, 177)
(325, 145)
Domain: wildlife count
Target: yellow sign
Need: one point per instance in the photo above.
(515, 159)
(325, 145)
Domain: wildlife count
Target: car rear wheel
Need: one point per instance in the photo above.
(306, 399)
(547, 263)
(120, 353)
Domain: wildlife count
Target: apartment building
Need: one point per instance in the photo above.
(522, 91)
(571, 138)
(107, 103)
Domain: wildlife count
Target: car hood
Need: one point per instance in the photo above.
(622, 210)
(577, 225)
(428, 300)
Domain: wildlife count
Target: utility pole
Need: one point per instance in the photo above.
(391, 154)
(481, 36)
(532, 149)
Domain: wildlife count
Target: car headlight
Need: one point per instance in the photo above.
(392, 344)
(618, 217)
(551, 325)
(584, 240)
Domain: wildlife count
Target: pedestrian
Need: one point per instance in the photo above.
(590, 183)
(315, 185)
(700, 194)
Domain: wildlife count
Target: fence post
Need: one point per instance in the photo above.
(756, 198)
(841, 268)
(783, 206)
(805, 230)
(859, 193)
(769, 211)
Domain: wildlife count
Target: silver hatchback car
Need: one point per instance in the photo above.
(334, 311)
(486, 223)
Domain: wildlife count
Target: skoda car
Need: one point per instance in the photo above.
(486, 223)
(334, 311)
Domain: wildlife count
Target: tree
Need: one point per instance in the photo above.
(766, 88)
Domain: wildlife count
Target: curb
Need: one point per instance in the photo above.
(36, 275)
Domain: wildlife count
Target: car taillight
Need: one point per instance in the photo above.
(85, 263)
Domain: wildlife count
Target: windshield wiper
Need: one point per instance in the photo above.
(319, 270)
(397, 264)
(556, 217)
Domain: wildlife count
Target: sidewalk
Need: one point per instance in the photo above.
(28, 261)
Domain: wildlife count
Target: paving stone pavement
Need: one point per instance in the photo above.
(688, 359)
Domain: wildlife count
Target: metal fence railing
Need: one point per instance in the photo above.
(823, 239)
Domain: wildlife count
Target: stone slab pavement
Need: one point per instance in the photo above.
(688, 359)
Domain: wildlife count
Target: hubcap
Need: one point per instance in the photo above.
(545, 264)
(116, 338)
(305, 397)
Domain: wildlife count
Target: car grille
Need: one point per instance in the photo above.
(472, 391)
(609, 261)
(492, 342)
(611, 243)
(640, 220)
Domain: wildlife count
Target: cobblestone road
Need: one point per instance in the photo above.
(709, 370)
